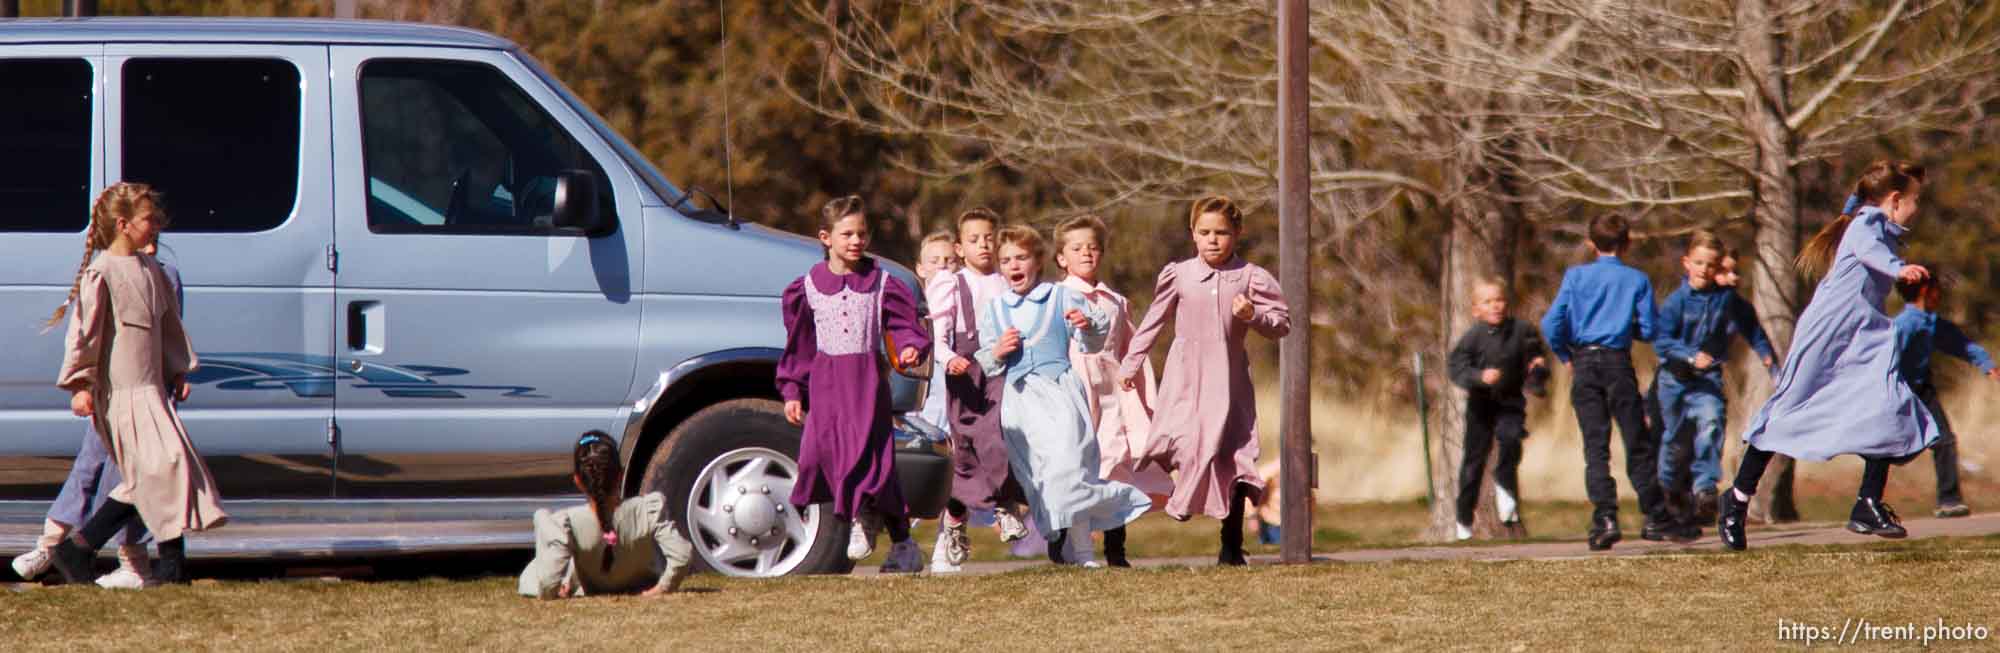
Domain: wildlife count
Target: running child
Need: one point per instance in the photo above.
(1493, 361)
(1692, 341)
(1840, 391)
(1205, 423)
(935, 256)
(833, 383)
(981, 478)
(1026, 336)
(1920, 333)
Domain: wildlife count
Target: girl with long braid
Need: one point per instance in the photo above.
(608, 546)
(125, 363)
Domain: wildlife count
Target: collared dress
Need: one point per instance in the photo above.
(1050, 443)
(1124, 418)
(1840, 391)
(126, 346)
(833, 363)
(1205, 422)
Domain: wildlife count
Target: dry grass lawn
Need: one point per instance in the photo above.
(1707, 601)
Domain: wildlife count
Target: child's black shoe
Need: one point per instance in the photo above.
(73, 562)
(1732, 512)
(1604, 532)
(1057, 545)
(1669, 531)
(1704, 507)
(1872, 517)
(1114, 548)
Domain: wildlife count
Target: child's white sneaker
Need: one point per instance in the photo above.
(941, 553)
(1464, 532)
(126, 578)
(1082, 551)
(1504, 503)
(32, 564)
(1011, 528)
(861, 536)
(904, 558)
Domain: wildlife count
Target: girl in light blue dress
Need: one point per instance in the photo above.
(1839, 392)
(1025, 334)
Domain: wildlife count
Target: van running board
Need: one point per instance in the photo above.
(285, 530)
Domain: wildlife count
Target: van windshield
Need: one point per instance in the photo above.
(663, 191)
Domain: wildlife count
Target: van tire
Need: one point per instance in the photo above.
(717, 431)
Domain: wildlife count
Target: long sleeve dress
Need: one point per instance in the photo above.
(833, 363)
(1840, 391)
(1124, 418)
(1205, 424)
(570, 548)
(980, 476)
(127, 347)
(1050, 443)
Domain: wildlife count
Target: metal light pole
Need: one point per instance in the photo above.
(1297, 469)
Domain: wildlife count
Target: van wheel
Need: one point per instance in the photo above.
(728, 482)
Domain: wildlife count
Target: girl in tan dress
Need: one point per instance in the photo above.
(125, 363)
(611, 545)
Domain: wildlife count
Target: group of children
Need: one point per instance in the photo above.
(1046, 390)
(1048, 398)
(1856, 381)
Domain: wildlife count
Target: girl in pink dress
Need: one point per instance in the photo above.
(1123, 417)
(1205, 424)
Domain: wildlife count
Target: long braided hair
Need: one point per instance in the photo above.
(600, 473)
(120, 201)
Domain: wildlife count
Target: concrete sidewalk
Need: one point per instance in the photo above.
(1807, 534)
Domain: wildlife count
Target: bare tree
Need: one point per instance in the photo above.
(1717, 106)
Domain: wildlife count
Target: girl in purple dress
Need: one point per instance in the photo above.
(1840, 392)
(833, 382)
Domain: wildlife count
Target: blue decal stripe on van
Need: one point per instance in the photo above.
(314, 377)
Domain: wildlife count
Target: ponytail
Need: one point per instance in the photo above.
(1877, 181)
(602, 476)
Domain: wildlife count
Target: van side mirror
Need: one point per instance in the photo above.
(576, 203)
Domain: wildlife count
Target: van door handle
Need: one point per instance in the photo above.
(366, 328)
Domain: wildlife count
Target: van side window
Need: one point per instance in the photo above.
(45, 124)
(456, 147)
(218, 137)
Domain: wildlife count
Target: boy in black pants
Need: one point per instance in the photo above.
(1920, 332)
(1600, 308)
(1493, 361)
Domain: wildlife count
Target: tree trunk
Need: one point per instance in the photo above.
(1480, 244)
(1775, 288)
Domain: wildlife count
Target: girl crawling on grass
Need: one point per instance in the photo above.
(609, 546)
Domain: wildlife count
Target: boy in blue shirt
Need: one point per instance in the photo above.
(1919, 333)
(1600, 308)
(1696, 321)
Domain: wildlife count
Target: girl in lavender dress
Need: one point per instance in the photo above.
(833, 382)
(1840, 391)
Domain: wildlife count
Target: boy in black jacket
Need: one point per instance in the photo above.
(1494, 361)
